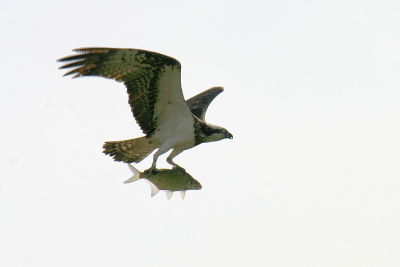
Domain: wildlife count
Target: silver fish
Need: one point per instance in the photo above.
(166, 179)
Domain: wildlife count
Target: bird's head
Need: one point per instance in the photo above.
(218, 133)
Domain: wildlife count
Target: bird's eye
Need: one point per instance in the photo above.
(223, 130)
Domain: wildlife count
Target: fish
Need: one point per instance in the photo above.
(166, 179)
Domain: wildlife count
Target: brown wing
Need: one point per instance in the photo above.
(142, 72)
(199, 103)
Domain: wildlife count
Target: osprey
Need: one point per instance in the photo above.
(153, 82)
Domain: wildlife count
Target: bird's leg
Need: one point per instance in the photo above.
(179, 169)
(164, 148)
(175, 167)
(152, 170)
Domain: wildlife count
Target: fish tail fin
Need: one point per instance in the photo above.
(135, 176)
(132, 150)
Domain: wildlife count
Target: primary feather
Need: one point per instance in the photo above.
(153, 83)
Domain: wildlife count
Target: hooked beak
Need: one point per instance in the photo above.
(228, 135)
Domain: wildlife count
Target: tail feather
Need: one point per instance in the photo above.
(133, 150)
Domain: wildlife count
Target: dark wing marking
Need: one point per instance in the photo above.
(198, 104)
(140, 70)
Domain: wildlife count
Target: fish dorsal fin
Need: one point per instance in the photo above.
(169, 193)
(183, 193)
(154, 189)
(135, 176)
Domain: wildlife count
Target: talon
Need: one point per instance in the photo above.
(151, 171)
(178, 168)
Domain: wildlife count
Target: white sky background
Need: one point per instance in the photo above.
(311, 178)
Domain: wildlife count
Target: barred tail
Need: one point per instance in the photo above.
(133, 150)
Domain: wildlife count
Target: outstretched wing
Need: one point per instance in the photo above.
(198, 104)
(153, 81)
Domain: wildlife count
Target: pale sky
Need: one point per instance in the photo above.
(311, 178)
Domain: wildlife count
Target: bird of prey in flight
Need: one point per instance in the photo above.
(153, 82)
